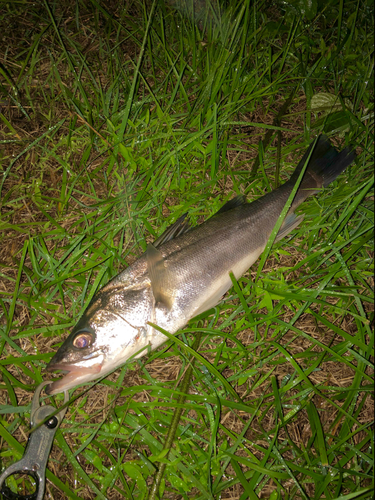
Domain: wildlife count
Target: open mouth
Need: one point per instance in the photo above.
(73, 375)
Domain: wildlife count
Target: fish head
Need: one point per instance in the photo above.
(112, 329)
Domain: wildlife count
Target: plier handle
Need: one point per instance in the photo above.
(34, 461)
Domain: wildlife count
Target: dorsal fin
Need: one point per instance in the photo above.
(235, 202)
(158, 276)
(181, 226)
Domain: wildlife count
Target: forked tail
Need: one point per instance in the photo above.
(325, 164)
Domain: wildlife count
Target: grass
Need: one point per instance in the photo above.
(116, 118)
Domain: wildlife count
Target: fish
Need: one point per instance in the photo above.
(184, 273)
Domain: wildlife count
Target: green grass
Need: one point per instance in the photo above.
(117, 119)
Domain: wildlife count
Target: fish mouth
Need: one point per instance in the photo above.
(73, 375)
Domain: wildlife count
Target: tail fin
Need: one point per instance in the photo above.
(325, 164)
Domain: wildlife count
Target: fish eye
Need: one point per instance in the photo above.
(82, 340)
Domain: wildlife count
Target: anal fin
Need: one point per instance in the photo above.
(291, 221)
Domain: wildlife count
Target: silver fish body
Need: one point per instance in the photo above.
(184, 273)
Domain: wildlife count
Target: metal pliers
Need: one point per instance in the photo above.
(34, 461)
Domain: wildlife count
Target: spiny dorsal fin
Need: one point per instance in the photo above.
(235, 202)
(158, 276)
(181, 226)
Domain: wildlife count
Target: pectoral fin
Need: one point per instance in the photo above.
(158, 276)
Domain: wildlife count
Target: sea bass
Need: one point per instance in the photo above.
(184, 273)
